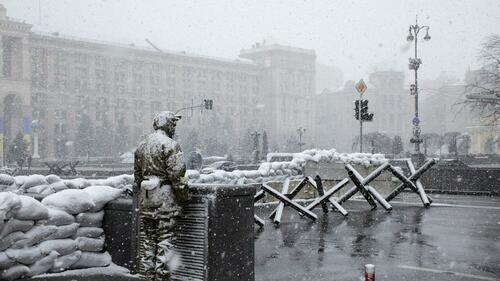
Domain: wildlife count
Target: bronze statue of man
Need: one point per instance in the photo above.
(159, 174)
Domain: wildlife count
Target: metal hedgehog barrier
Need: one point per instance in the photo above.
(361, 184)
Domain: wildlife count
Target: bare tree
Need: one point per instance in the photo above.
(483, 89)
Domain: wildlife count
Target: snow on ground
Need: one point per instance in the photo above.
(111, 270)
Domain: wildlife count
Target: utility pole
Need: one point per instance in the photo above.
(414, 64)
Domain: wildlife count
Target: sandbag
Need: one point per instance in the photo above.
(101, 195)
(90, 232)
(33, 180)
(62, 246)
(31, 209)
(6, 179)
(53, 179)
(33, 236)
(59, 217)
(39, 189)
(43, 265)
(78, 183)
(7, 241)
(14, 225)
(70, 200)
(58, 186)
(19, 180)
(92, 260)
(8, 188)
(90, 219)
(64, 231)
(64, 262)
(5, 261)
(90, 244)
(9, 204)
(15, 272)
(26, 256)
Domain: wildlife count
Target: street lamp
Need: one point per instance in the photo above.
(414, 64)
(301, 131)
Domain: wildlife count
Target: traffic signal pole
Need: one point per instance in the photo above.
(360, 125)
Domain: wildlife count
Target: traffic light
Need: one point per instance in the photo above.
(208, 104)
(356, 109)
(365, 116)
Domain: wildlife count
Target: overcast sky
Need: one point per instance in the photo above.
(356, 36)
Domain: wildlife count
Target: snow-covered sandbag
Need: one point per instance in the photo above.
(33, 236)
(33, 180)
(31, 209)
(53, 179)
(62, 246)
(19, 180)
(119, 182)
(15, 272)
(8, 188)
(40, 189)
(89, 259)
(86, 244)
(90, 219)
(101, 195)
(9, 204)
(58, 186)
(78, 183)
(6, 179)
(71, 201)
(64, 262)
(5, 261)
(90, 232)
(14, 225)
(43, 265)
(9, 240)
(59, 217)
(64, 231)
(26, 256)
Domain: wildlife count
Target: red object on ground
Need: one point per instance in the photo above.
(369, 272)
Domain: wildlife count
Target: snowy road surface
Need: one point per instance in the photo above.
(456, 239)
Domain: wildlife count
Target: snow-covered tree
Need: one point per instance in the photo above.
(265, 145)
(84, 138)
(483, 86)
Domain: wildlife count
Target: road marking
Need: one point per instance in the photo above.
(442, 205)
(448, 272)
(465, 206)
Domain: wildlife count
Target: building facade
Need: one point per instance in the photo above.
(58, 88)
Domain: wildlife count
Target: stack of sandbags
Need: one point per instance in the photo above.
(87, 207)
(62, 232)
(21, 232)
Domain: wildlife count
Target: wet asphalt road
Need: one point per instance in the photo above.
(458, 238)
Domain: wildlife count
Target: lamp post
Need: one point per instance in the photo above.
(301, 131)
(414, 64)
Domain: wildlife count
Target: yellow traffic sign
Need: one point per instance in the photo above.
(361, 86)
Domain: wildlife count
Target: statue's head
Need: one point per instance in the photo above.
(166, 121)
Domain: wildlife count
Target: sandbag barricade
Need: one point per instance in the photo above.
(62, 232)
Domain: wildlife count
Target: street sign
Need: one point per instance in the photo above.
(361, 86)
(415, 121)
